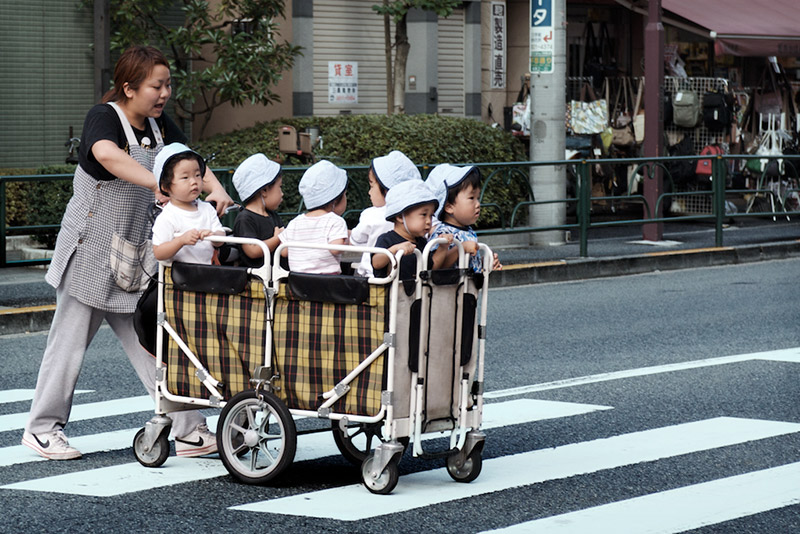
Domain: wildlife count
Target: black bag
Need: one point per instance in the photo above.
(599, 57)
(144, 318)
(683, 171)
(716, 112)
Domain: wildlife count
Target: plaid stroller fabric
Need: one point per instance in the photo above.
(226, 332)
(318, 343)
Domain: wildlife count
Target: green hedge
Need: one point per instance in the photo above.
(356, 139)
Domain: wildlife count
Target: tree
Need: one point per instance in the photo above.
(397, 10)
(226, 54)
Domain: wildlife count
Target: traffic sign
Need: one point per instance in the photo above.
(542, 42)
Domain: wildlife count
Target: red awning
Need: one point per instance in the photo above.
(745, 27)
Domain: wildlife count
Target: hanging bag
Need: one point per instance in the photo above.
(686, 110)
(716, 111)
(638, 115)
(623, 135)
(589, 115)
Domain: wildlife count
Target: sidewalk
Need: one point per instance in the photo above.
(27, 301)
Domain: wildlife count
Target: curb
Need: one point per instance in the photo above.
(587, 268)
(38, 318)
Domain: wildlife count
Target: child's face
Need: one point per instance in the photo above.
(187, 182)
(375, 194)
(341, 206)
(466, 208)
(273, 194)
(417, 220)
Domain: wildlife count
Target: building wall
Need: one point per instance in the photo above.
(47, 84)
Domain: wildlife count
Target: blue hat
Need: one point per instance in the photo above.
(253, 174)
(407, 195)
(322, 183)
(444, 177)
(166, 153)
(393, 168)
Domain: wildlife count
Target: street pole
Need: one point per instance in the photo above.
(548, 83)
(654, 113)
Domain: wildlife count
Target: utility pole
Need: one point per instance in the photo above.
(102, 48)
(548, 108)
(654, 116)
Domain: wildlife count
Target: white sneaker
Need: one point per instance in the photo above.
(52, 445)
(199, 442)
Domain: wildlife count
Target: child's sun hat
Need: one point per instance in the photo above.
(322, 183)
(167, 153)
(443, 178)
(393, 168)
(407, 195)
(253, 174)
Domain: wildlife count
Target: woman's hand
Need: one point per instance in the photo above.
(216, 193)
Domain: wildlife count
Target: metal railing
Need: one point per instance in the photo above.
(501, 175)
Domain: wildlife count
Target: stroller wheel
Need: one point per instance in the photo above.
(256, 437)
(385, 482)
(469, 470)
(157, 455)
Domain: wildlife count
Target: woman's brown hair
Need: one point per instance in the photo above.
(133, 67)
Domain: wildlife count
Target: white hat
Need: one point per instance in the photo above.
(408, 194)
(173, 149)
(444, 177)
(393, 168)
(323, 182)
(253, 174)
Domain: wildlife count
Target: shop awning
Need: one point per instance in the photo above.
(745, 27)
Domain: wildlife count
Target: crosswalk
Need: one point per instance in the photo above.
(706, 503)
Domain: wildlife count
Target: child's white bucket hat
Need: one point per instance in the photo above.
(253, 174)
(322, 183)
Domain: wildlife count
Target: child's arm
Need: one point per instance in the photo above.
(379, 261)
(443, 259)
(167, 250)
(254, 251)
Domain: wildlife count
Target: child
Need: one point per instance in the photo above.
(459, 196)
(409, 207)
(384, 173)
(324, 191)
(258, 182)
(185, 221)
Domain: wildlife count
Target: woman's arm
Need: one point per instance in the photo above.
(120, 164)
(216, 193)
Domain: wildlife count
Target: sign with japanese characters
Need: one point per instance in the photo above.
(343, 82)
(542, 42)
(498, 22)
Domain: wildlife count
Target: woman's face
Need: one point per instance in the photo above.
(149, 99)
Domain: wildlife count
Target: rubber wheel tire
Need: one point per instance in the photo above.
(467, 472)
(256, 438)
(157, 455)
(387, 480)
(356, 442)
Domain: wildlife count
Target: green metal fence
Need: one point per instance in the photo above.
(512, 213)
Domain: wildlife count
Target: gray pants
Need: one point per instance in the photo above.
(74, 326)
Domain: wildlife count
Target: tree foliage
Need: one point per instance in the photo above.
(398, 10)
(227, 54)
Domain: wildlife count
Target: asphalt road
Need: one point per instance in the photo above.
(665, 402)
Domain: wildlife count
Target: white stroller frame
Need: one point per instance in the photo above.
(252, 418)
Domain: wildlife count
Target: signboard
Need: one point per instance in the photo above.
(542, 42)
(498, 45)
(343, 82)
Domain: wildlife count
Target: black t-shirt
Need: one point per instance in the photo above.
(408, 263)
(251, 224)
(102, 122)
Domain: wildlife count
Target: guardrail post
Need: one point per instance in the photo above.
(719, 177)
(584, 204)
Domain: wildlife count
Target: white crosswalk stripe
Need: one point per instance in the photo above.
(18, 395)
(82, 412)
(100, 482)
(700, 504)
(350, 503)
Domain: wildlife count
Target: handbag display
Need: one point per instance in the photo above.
(588, 116)
(622, 121)
(638, 115)
(704, 165)
(686, 109)
(717, 114)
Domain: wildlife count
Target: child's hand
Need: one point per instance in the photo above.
(407, 247)
(278, 230)
(190, 237)
(205, 233)
(496, 265)
(470, 247)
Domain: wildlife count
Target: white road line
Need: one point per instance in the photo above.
(680, 509)
(101, 482)
(352, 503)
(785, 355)
(81, 412)
(17, 395)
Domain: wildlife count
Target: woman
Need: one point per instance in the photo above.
(113, 188)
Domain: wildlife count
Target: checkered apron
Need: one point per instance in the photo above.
(96, 211)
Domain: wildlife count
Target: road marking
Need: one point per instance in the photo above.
(81, 412)
(17, 395)
(680, 509)
(101, 482)
(352, 503)
(785, 355)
